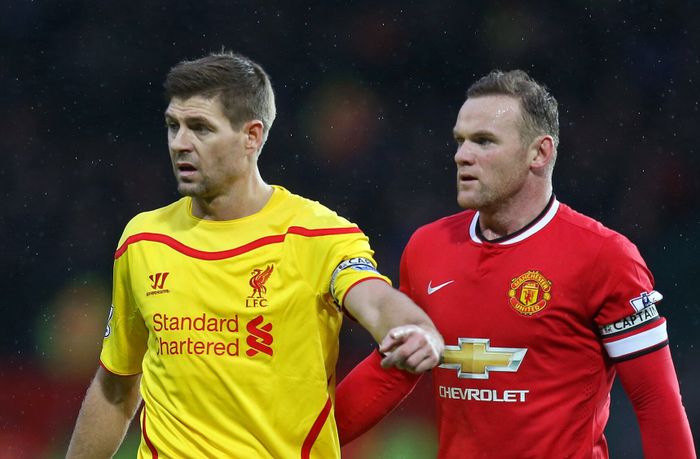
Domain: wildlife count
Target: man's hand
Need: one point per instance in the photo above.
(412, 348)
(409, 340)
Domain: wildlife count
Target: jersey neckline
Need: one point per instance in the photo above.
(278, 194)
(523, 233)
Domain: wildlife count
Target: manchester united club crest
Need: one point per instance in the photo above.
(529, 293)
(257, 282)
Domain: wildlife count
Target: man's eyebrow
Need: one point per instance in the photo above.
(190, 119)
(482, 133)
(479, 133)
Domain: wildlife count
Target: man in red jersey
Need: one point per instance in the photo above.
(539, 305)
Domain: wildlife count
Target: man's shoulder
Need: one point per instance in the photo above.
(577, 221)
(582, 228)
(308, 212)
(157, 219)
(451, 225)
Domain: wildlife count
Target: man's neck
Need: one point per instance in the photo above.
(513, 215)
(243, 199)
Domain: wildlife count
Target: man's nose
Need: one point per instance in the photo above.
(464, 154)
(181, 140)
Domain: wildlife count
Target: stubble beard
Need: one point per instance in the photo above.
(192, 189)
(480, 199)
(474, 203)
(469, 199)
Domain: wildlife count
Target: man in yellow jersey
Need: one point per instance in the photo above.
(227, 304)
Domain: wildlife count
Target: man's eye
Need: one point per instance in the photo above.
(171, 126)
(201, 129)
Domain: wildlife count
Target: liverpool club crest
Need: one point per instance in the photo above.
(257, 282)
(529, 293)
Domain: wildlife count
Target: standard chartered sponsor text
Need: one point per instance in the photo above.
(219, 327)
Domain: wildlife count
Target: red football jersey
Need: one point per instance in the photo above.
(533, 324)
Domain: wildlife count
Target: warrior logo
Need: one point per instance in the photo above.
(260, 338)
(257, 283)
(158, 280)
(158, 284)
(529, 293)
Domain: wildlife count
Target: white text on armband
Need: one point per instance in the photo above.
(483, 395)
(357, 264)
(646, 315)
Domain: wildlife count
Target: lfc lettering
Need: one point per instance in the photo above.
(251, 302)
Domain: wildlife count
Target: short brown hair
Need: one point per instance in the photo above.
(243, 86)
(539, 108)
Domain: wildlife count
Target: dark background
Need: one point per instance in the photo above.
(367, 95)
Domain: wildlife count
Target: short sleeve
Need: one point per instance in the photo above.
(337, 260)
(622, 277)
(126, 335)
(627, 318)
(352, 263)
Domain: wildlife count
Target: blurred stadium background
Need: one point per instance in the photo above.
(367, 95)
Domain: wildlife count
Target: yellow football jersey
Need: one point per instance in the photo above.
(234, 327)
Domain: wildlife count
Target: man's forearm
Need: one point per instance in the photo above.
(405, 333)
(379, 307)
(651, 384)
(104, 416)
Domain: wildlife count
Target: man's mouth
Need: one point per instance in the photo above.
(185, 168)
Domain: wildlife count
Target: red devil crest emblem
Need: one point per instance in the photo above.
(258, 279)
(530, 292)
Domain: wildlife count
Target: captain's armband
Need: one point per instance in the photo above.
(355, 264)
(637, 334)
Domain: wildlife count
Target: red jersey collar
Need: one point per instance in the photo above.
(523, 233)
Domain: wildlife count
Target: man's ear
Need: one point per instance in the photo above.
(253, 131)
(542, 153)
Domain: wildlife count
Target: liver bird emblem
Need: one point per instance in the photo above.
(258, 279)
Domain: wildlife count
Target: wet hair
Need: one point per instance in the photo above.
(243, 87)
(539, 108)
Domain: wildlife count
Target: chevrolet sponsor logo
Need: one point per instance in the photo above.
(474, 358)
(483, 395)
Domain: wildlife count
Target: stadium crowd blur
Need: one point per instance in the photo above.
(367, 96)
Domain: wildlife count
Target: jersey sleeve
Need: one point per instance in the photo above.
(125, 338)
(651, 385)
(367, 394)
(628, 320)
(351, 272)
(341, 260)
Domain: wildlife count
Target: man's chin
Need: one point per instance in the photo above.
(188, 189)
(466, 202)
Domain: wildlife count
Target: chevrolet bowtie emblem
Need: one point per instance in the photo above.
(473, 358)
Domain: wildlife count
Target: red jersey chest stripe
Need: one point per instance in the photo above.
(222, 254)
